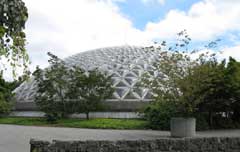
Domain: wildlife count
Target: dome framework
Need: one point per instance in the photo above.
(124, 64)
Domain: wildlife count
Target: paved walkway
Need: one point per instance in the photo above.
(16, 138)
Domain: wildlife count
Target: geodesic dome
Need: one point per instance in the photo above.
(125, 64)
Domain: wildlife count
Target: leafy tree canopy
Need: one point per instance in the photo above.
(171, 83)
(52, 85)
(89, 89)
(62, 90)
(191, 86)
(13, 15)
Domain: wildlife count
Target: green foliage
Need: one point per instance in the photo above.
(4, 105)
(79, 123)
(13, 15)
(201, 121)
(63, 90)
(89, 89)
(158, 115)
(174, 83)
(52, 86)
(102, 123)
(192, 86)
(218, 89)
(5, 96)
(233, 87)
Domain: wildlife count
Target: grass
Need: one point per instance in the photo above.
(78, 123)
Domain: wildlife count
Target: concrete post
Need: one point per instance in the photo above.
(183, 127)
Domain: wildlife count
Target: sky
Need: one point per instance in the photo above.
(67, 27)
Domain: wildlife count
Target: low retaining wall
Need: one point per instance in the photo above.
(213, 144)
(122, 115)
(112, 106)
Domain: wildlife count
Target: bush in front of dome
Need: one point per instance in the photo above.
(5, 96)
(63, 90)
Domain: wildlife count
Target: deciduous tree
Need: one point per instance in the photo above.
(13, 16)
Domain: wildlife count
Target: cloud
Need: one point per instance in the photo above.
(68, 27)
(204, 21)
(231, 51)
(161, 2)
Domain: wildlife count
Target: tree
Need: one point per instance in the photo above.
(209, 80)
(13, 15)
(89, 89)
(233, 87)
(64, 90)
(173, 82)
(52, 87)
(218, 88)
(190, 86)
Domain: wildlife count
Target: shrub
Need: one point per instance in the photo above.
(5, 96)
(158, 115)
(5, 107)
(202, 121)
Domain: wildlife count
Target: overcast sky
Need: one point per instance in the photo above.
(66, 27)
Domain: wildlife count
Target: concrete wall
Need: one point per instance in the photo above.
(111, 106)
(114, 109)
(124, 115)
(213, 144)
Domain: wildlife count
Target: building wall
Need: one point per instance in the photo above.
(114, 109)
(125, 64)
(121, 115)
(113, 106)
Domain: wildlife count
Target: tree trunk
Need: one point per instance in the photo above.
(236, 115)
(64, 115)
(210, 119)
(87, 115)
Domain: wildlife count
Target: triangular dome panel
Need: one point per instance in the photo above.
(124, 64)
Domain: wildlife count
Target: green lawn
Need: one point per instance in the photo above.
(78, 123)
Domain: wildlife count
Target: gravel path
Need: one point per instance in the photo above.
(16, 138)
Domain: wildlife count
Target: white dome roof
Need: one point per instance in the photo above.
(126, 64)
